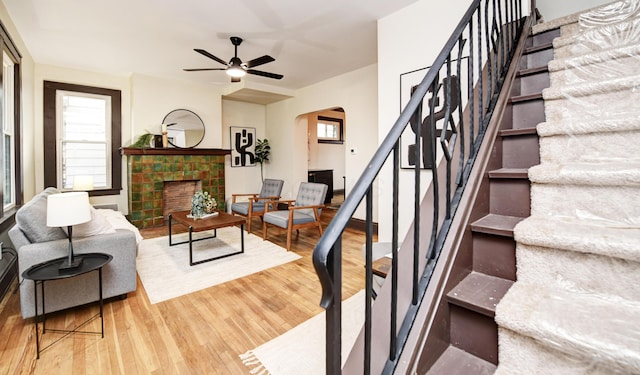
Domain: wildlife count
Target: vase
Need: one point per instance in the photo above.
(197, 206)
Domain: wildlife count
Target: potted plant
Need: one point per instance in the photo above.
(262, 151)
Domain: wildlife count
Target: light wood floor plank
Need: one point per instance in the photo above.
(203, 332)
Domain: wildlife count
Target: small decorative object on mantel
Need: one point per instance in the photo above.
(203, 205)
(143, 141)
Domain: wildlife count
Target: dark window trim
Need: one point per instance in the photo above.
(7, 217)
(49, 124)
(341, 132)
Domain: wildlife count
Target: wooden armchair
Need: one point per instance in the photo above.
(255, 205)
(303, 212)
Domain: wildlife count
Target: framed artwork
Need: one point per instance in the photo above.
(243, 144)
(408, 82)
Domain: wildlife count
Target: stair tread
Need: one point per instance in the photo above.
(510, 173)
(599, 328)
(532, 71)
(525, 98)
(603, 173)
(479, 292)
(607, 238)
(500, 225)
(456, 361)
(516, 132)
(586, 126)
(598, 57)
(536, 48)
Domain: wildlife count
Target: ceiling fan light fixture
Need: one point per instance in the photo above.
(236, 71)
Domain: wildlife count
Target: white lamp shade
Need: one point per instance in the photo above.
(83, 183)
(68, 209)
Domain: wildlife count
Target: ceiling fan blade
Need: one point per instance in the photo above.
(202, 69)
(205, 53)
(259, 61)
(264, 74)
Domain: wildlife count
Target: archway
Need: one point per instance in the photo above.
(326, 136)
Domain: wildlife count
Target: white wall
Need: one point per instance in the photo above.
(409, 39)
(58, 74)
(145, 102)
(327, 155)
(356, 93)
(552, 9)
(153, 98)
(242, 180)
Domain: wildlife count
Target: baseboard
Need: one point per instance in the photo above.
(361, 225)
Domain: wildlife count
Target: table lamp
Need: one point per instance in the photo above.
(68, 209)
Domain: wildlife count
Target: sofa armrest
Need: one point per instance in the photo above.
(121, 245)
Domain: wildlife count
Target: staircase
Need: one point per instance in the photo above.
(575, 306)
(503, 201)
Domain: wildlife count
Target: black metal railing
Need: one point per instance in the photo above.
(459, 91)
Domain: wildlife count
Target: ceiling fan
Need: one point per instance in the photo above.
(235, 67)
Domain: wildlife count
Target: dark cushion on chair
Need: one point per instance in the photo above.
(32, 219)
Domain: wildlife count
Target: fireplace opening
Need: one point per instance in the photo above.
(176, 195)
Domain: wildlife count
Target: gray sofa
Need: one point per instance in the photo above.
(36, 243)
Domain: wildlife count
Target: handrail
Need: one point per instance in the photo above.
(502, 26)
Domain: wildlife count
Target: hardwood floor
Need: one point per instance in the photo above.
(200, 333)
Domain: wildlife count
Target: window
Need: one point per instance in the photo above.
(8, 131)
(82, 137)
(329, 130)
(10, 150)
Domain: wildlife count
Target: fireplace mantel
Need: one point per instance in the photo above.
(173, 151)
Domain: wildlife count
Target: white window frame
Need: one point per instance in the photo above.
(60, 162)
(8, 126)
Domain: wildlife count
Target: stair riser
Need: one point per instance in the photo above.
(520, 151)
(525, 356)
(494, 255)
(545, 266)
(510, 197)
(542, 38)
(536, 59)
(587, 147)
(474, 333)
(605, 202)
(525, 114)
(609, 69)
(530, 84)
(592, 107)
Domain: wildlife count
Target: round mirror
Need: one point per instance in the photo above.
(185, 129)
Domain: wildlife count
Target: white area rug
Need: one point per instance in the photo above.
(165, 271)
(301, 350)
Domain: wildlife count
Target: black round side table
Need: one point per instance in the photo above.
(49, 271)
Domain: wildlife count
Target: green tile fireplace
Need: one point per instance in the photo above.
(150, 168)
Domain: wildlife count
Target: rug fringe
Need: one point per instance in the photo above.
(250, 360)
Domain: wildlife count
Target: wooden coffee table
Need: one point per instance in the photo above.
(209, 223)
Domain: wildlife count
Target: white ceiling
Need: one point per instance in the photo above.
(311, 40)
